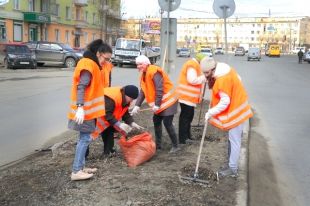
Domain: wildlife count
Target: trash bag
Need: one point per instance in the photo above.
(138, 149)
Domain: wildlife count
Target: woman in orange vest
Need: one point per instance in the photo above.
(156, 88)
(87, 102)
(191, 81)
(229, 107)
(117, 101)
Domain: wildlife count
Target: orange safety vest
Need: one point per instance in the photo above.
(116, 95)
(148, 87)
(106, 70)
(186, 91)
(239, 110)
(94, 95)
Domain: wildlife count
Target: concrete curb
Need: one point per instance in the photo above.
(242, 191)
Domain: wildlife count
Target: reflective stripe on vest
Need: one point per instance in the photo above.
(101, 125)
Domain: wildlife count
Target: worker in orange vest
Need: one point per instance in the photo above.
(117, 101)
(157, 89)
(87, 103)
(190, 91)
(229, 108)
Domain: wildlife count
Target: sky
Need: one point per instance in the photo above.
(203, 8)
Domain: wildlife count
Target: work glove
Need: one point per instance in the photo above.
(79, 115)
(202, 78)
(135, 110)
(155, 108)
(136, 126)
(207, 116)
(123, 128)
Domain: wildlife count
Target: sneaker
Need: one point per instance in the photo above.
(80, 175)
(174, 149)
(89, 170)
(228, 173)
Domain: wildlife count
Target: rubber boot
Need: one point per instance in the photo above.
(172, 134)
(158, 134)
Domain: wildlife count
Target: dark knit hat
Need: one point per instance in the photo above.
(131, 91)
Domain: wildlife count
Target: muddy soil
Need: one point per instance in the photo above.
(44, 178)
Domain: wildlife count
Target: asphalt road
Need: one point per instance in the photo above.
(33, 106)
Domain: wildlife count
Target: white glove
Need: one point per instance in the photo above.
(79, 115)
(207, 116)
(136, 126)
(155, 108)
(125, 127)
(202, 78)
(135, 110)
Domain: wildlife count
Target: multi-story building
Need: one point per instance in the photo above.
(75, 22)
(289, 32)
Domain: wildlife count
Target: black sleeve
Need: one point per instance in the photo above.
(109, 109)
(127, 118)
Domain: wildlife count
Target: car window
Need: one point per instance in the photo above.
(17, 49)
(44, 46)
(205, 50)
(56, 47)
(184, 49)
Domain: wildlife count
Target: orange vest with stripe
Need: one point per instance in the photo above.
(106, 71)
(116, 95)
(94, 94)
(185, 90)
(239, 110)
(148, 87)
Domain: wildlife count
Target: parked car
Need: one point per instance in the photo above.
(17, 55)
(306, 56)
(55, 53)
(207, 52)
(254, 53)
(240, 51)
(184, 52)
(219, 50)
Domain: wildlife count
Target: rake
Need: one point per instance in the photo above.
(195, 177)
(201, 103)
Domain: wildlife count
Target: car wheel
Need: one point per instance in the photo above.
(70, 62)
(40, 64)
(6, 64)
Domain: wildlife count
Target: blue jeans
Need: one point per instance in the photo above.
(81, 147)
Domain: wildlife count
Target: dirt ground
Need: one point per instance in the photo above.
(44, 178)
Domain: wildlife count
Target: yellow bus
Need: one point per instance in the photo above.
(274, 50)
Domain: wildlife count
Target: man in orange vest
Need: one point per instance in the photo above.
(117, 101)
(157, 89)
(87, 102)
(229, 107)
(191, 81)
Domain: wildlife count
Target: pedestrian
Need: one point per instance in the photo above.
(300, 54)
(106, 70)
(191, 83)
(156, 88)
(87, 103)
(229, 107)
(117, 101)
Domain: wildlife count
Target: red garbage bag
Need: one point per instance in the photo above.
(137, 149)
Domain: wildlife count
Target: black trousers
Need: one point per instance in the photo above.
(157, 120)
(185, 120)
(108, 141)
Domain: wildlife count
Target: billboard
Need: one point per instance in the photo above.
(151, 27)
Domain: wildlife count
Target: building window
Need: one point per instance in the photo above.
(18, 31)
(78, 14)
(31, 5)
(44, 6)
(67, 12)
(57, 10)
(252, 32)
(252, 38)
(86, 16)
(67, 36)
(57, 35)
(86, 37)
(16, 4)
(2, 31)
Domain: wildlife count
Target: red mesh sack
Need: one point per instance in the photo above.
(137, 149)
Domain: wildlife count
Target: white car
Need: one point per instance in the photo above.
(207, 52)
(219, 50)
(184, 52)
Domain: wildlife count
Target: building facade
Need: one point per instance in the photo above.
(289, 32)
(75, 22)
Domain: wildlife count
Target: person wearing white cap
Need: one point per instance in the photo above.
(229, 107)
(157, 90)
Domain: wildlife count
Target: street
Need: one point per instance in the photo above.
(33, 106)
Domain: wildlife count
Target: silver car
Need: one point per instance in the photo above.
(184, 52)
(254, 53)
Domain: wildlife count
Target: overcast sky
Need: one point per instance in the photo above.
(203, 8)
